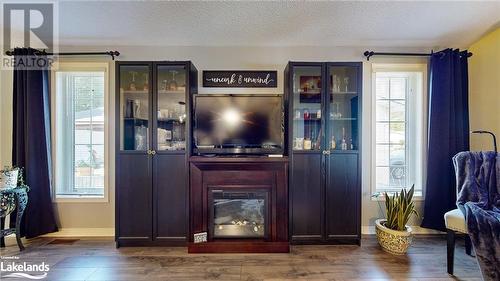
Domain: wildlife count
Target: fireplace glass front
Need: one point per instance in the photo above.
(239, 214)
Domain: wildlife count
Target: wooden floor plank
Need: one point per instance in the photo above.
(98, 259)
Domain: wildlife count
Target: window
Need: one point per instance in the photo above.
(79, 137)
(399, 114)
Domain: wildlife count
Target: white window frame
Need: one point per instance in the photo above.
(421, 154)
(77, 66)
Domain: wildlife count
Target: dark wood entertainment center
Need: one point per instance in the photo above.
(165, 193)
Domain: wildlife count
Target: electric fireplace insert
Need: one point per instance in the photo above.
(239, 213)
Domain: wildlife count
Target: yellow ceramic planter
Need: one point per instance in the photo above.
(393, 241)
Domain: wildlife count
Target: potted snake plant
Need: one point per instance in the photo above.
(393, 233)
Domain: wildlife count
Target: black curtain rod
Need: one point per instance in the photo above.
(113, 54)
(369, 54)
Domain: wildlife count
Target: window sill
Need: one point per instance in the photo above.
(382, 198)
(81, 199)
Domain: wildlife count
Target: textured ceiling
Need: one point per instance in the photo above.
(401, 24)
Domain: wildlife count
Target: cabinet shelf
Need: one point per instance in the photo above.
(310, 119)
(178, 92)
(340, 151)
(145, 92)
(319, 119)
(135, 119)
(343, 119)
(307, 151)
(332, 151)
(167, 120)
(132, 92)
(308, 93)
(350, 93)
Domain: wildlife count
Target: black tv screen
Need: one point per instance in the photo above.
(238, 123)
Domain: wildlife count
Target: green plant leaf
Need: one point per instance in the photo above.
(399, 209)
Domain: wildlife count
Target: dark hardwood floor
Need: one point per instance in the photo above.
(98, 259)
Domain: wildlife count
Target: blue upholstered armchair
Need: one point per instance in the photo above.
(478, 209)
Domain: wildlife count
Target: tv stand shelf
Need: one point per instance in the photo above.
(237, 159)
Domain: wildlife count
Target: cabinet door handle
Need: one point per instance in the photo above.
(326, 152)
(149, 152)
(153, 152)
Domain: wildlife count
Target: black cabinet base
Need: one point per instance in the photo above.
(339, 241)
(150, 243)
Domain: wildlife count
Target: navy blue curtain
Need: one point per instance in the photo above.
(448, 132)
(31, 142)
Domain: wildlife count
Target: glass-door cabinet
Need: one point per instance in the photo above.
(307, 112)
(171, 109)
(152, 150)
(343, 106)
(324, 121)
(153, 100)
(135, 102)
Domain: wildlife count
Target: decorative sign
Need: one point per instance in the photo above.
(240, 79)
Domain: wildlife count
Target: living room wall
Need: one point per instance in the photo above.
(484, 89)
(100, 216)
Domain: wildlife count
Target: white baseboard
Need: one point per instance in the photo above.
(370, 229)
(110, 232)
(82, 232)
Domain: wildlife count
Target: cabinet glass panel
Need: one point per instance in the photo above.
(134, 107)
(306, 111)
(343, 113)
(171, 114)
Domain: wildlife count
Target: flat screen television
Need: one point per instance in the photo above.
(238, 124)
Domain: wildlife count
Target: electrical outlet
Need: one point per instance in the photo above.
(200, 237)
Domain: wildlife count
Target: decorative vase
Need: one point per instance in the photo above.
(393, 241)
(8, 178)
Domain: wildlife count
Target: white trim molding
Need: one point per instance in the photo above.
(417, 230)
(417, 140)
(83, 66)
(82, 232)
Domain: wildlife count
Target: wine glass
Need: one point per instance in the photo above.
(146, 82)
(164, 85)
(335, 84)
(172, 85)
(339, 114)
(132, 83)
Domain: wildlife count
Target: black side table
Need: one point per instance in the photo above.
(12, 199)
